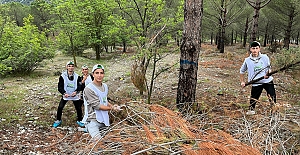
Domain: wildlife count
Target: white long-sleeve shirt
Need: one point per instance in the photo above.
(94, 98)
(256, 67)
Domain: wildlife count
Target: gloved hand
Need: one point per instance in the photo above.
(117, 107)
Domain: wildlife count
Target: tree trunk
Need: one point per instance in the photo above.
(272, 39)
(297, 39)
(124, 46)
(289, 29)
(255, 22)
(222, 43)
(241, 37)
(232, 37)
(257, 5)
(106, 48)
(223, 26)
(150, 88)
(222, 22)
(212, 38)
(98, 51)
(72, 49)
(266, 35)
(245, 32)
(190, 50)
(219, 37)
(235, 38)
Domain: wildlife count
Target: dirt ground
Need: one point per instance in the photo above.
(220, 99)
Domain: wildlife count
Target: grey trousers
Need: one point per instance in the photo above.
(94, 128)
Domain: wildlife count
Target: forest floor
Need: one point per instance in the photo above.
(220, 104)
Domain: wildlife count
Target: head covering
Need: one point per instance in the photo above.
(85, 67)
(254, 44)
(98, 66)
(70, 63)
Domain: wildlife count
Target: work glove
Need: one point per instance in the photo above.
(117, 108)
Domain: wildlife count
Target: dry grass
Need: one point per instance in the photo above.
(155, 130)
(158, 130)
(138, 76)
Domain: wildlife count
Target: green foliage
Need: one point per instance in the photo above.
(23, 48)
(41, 10)
(287, 57)
(152, 25)
(146, 18)
(4, 69)
(16, 12)
(69, 25)
(104, 26)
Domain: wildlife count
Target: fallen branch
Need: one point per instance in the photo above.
(271, 73)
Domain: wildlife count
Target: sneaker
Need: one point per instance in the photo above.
(80, 124)
(82, 129)
(56, 123)
(250, 112)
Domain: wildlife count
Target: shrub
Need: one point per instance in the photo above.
(23, 48)
(286, 57)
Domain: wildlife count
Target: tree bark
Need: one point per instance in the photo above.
(257, 5)
(266, 35)
(255, 23)
(288, 31)
(223, 25)
(190, 49)
(297, 38)
(245, 32)
(98, 51)
(124, 46)
(212, 38)
(72, 49)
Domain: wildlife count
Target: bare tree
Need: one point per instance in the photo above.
(289, 11)
(246, 32)
(190, 49)
(257, 5)
(226, 12)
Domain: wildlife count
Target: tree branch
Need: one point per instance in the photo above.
(273, 72)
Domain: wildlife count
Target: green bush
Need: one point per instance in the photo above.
(4, 69)
(286, 57)
(22, 49)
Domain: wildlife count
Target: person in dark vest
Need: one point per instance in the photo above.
(69, 85)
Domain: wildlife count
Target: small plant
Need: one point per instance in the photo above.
(286, 57)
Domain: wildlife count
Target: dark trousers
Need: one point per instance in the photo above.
(77, 104)
(257, 90)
